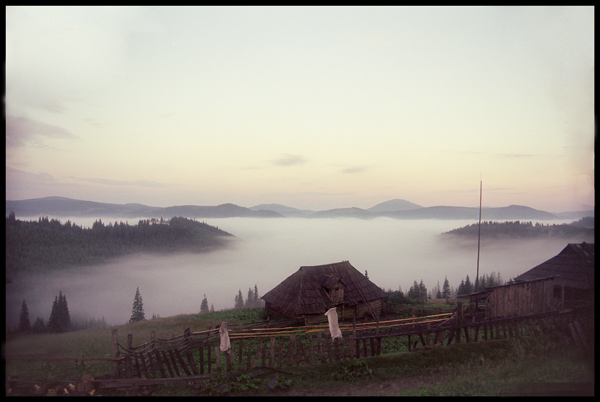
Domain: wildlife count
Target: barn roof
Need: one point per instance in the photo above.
(573, 267)
(305, 291)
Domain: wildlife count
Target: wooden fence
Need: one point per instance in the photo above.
(198, 353)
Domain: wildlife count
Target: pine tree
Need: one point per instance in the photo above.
(256, 300)
(468, 285)
(53, 320)
(446, 288)
(212, 308)
(204, 305)
(438, 293)
(249, 298)
(239, 300)
(38, 326)
(24, 324)
(59, 320)
(422, 291)
(137, 312)
(65, 316)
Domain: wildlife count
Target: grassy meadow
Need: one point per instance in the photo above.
(514, 366)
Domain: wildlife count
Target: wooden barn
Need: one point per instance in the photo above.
(573, 269)
(517, 298)
(312, 290)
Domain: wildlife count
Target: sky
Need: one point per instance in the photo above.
(310, 107)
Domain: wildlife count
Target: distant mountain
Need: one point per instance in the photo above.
(60, 206)
(397, 209)
(220, 211)
(393, 205)
(283, 210)
(575, 214)
(344, 213)
(445, 212)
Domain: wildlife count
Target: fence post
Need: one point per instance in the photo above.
(459, 320)
(272, 353)
(116, 351)
(292, 350)
(186, 338)
(128, 355)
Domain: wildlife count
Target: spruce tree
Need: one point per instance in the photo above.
(468, 285)
(446, 288)
(137, 312)
(422, 291)
(24, 324)
(249, 298)
(204, 305)
(65, 316)
(38, 326)
(59, 320)
(438, 293)
(53, 320)
(239, 300)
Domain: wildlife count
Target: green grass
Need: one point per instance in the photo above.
(525, 371)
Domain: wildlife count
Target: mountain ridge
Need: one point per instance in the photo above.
(396, 208)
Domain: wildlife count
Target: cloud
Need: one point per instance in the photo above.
(289, 160)
(22, 176)
(355, 169)
(21, 131)
(136, 183)
(517, 155)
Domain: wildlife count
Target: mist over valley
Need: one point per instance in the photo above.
(263, 252)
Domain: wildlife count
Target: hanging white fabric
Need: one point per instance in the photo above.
(225, 345)
(334, 329)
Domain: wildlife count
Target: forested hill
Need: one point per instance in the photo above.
(42, 245)
(583, 228)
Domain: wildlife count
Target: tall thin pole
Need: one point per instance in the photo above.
(478, 238)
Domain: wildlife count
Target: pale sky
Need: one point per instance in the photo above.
(310, 107)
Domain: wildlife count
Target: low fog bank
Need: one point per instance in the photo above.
(395, 253)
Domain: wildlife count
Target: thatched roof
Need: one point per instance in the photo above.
(306, 291)
(573, 267)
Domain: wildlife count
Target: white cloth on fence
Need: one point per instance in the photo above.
(334, 330)
(225, 345)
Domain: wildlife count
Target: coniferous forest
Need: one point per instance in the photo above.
(584, 228)
(47, 244)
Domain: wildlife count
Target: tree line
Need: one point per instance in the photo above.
(582, 227)
(36, 246)
(418, 291)
(60, 320)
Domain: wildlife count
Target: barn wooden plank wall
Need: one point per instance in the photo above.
(521, 299)
(198, 353)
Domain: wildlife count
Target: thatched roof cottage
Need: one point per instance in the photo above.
(312, 290)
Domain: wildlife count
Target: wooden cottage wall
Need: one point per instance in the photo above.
(521, 299)
(347, 313)
(363, 310)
